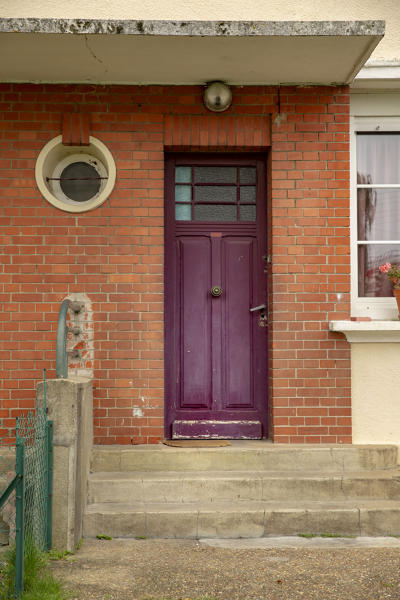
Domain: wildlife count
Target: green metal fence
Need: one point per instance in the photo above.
(26, 481)
(8, 484)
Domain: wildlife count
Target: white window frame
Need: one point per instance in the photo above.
(55, 156)
(375, 308)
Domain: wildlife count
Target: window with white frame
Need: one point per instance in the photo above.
(375, 214)
(75, 178)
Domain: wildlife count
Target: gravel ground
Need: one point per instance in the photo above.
(187, 570)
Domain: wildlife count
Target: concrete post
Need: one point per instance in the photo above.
(70, 406)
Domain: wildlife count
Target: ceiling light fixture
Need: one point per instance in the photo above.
(217, 96)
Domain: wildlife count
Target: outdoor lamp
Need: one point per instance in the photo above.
(217, 96)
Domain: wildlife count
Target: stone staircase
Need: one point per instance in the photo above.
(248, 489)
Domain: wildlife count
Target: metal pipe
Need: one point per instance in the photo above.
(61, 344)
(19, 517)
(50, 467)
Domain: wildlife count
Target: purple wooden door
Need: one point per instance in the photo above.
(216, 346)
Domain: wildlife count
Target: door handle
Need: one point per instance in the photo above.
(216, 291)
(260, 307)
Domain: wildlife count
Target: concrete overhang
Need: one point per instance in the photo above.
(185, 52)
(378, 75)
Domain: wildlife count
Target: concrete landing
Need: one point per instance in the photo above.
(245, 456)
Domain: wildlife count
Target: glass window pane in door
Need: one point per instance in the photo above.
(183, 212)
(248, 193)
(248, 213)
(215, 174)
(215, 193)
(214, 212)
(247, 175)
(183, 174)
(183, 193)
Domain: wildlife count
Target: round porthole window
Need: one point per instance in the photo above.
(75, 178)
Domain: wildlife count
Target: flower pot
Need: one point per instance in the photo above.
(396, 294)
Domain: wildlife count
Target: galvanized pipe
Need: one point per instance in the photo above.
(50, 475)
(61, 345)
(19, 517)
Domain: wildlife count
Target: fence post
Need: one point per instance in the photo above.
(19, 518)
(50, 461)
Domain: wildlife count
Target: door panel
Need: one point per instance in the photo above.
(216, 348)
(238, 339)
(194, 375)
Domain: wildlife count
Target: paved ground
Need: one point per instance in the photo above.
(188, 570)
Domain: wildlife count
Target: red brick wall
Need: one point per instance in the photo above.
(311, 265)
(114, 254)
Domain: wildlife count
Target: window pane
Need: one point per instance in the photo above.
(378, 158)
(215, 174)
(247, 175)
(247, 213)
(183, 193)
(371, 282)
(183, 212)
(80, 181)
(183, 174)
(248, 194)
(378, 214)
(215, 212)
(213, 193)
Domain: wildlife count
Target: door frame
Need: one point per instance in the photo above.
(261, 160)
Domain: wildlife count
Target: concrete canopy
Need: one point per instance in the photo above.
(190, 52)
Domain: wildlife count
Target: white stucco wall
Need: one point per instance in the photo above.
(375, 393)
(232, 10)
(375, 367)
(382, 103)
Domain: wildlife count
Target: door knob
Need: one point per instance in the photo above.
(216, 291)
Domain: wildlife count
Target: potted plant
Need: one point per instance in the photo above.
(393, 273)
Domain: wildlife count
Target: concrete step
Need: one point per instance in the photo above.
(245, 456)
(212, 486)
(242, 519)
(237, 491)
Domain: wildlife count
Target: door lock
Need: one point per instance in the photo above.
(263, 319)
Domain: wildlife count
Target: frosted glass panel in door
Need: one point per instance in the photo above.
(214, 212)
(214, 193)
(215, 174)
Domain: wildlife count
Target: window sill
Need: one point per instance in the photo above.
(368, 331)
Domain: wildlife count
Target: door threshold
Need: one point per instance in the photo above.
(196, 443)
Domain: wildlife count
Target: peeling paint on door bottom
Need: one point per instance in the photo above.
(203, 429)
